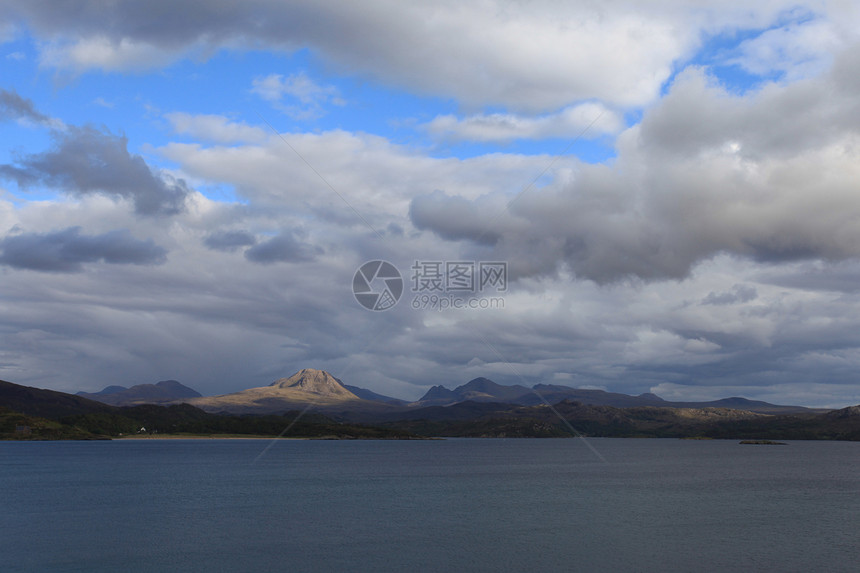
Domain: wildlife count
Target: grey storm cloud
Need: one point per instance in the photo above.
(87, 160)
(452, 218)
(68, 250)
(770, 176)
(229, 240)
(283, 248)
(13, 106)
(738, 294)
(478, 52)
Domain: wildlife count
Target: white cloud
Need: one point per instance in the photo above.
(750, 202)
(214, 128)
(235, 324)
(529, 57)
(103, 52)
(375, 176)
(770, 176)
(500, 127)
(796, 50)
(311, 96)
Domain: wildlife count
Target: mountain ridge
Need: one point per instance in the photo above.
(485, 390)
(463, 419)
(163, 392)
(317, 388)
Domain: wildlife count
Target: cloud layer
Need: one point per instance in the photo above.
(177, 235)
(770, 176)
(535, 56)
(68, 250)
(13, 106)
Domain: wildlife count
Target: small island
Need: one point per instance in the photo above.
(763, 443)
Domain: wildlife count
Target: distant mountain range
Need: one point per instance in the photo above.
(485, 390)
(35, 414)
(480, 408)
(326, 393)
(163, 392)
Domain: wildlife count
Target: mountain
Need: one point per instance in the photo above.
(365, 394)
(745, 404)
(162, 392)
(317, 382)
(306, 388)
(485, 390)
(107, 390)
(438, 395)
(36, 414)
(553, 394)
(47, 403)
(81, 418)
(325, 392)
(476, 390)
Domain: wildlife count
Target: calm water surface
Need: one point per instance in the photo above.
(452, 505)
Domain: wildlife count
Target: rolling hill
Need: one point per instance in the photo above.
(47, 403)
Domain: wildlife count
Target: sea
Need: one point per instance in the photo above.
(436, 505)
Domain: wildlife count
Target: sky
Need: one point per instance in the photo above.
(634, 196)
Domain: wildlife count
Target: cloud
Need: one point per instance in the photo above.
(501, 127)
(297, 87)
(103, 52)
(13, 106)
(704, 173)
(377, 177)
(452, 218)
(230, 240)
(283, 248)
(87, 160)
(796, 50)
(534, 57)
(68, 250)
(750, 200)
(739, 294)
(214, 128)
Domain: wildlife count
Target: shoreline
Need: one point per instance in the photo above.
(204, 437)
(250, 437)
